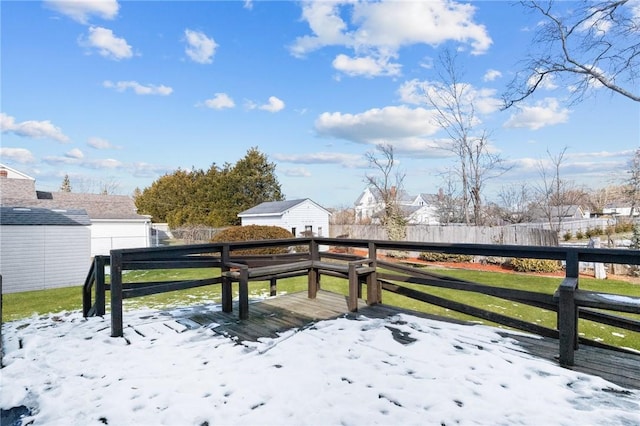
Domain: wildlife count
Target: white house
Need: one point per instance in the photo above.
(43, 248)
(620, 210)
(115, 224)
(420, 209)
(298, 216)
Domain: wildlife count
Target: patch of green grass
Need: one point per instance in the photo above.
(16, 306)
(21, 305)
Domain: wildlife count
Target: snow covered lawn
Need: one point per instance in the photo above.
(69, 371)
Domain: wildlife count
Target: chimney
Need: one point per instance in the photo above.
(3, 173)
(392, 192)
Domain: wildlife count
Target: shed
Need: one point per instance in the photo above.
(298, 216)
(43, 248)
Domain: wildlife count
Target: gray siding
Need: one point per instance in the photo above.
(42, 257)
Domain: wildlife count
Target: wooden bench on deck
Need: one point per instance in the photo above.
(357, 272)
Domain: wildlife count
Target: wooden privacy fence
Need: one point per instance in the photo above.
(379, 276)
(512, 234)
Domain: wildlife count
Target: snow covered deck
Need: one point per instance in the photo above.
(272, 317)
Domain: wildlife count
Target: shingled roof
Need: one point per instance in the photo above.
(275, 207)
(97, 206)
(39, 217)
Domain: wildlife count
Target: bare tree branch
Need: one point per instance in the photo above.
(596, 43)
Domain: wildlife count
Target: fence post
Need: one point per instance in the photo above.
(374, 289)
(313, 279)
(243, 293)
(352, 302)
(567, 310)
(100, 285)
(116, 294)
(227, 293)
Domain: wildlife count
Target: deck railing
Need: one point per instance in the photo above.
(569, 301)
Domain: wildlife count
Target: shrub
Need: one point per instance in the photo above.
(535, 265)
(624, 226)
(579, 234)
(567, 236)
(445, 257)
(254, 233)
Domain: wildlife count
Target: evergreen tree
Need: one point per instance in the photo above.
(66, 184)
(213, 197)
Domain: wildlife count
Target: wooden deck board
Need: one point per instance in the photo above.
(270, 317)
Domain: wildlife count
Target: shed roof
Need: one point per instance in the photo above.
(14, 216)
(276, 207)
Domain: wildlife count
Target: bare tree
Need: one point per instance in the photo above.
(514, 203)
(632, 183)
(557, 196)
(103, 187)
(387, 184)
(454, 103)
(593, 44)
(449, 207)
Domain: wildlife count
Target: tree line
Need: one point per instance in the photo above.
(211, 197)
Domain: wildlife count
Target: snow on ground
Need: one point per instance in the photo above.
(69, 371)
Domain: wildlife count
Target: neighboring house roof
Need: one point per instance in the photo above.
(270, 208)
(15, 216)
(97, 206)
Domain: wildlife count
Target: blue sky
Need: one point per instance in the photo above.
(121, 93)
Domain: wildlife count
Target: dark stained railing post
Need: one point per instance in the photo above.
(568, 311)
(86, 289)
(352, 302)
(243, 293)
(273, 287)
(374, 289)
(116, 294)
(313, 279)
(100, 285)
(227, 293)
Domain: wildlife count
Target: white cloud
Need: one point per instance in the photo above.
(19, 155)
(273, 105)
(491, 75)
(138, 88)
(220, 101)
(297, 172)
(81, 10)
(376, 124)
(54, 160)
(200, 48)
(346, 160)
(544, 113)
(548, 82)
(108, 163)
(377, 30)
(598, 22)
(107, 44)
(368, 66)
(99, 143)
(484, 100)
(142, 169)
(32, 129)
(75, 153)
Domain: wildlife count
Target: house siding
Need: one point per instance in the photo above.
(299, 217)
(43, 257)
(107, 235)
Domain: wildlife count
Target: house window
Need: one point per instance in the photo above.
(308, 231)
(319, 231)
(293, 231)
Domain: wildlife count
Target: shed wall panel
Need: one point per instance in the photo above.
(41, 257)
(110, 235)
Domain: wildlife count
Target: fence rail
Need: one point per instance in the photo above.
(569, 301)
